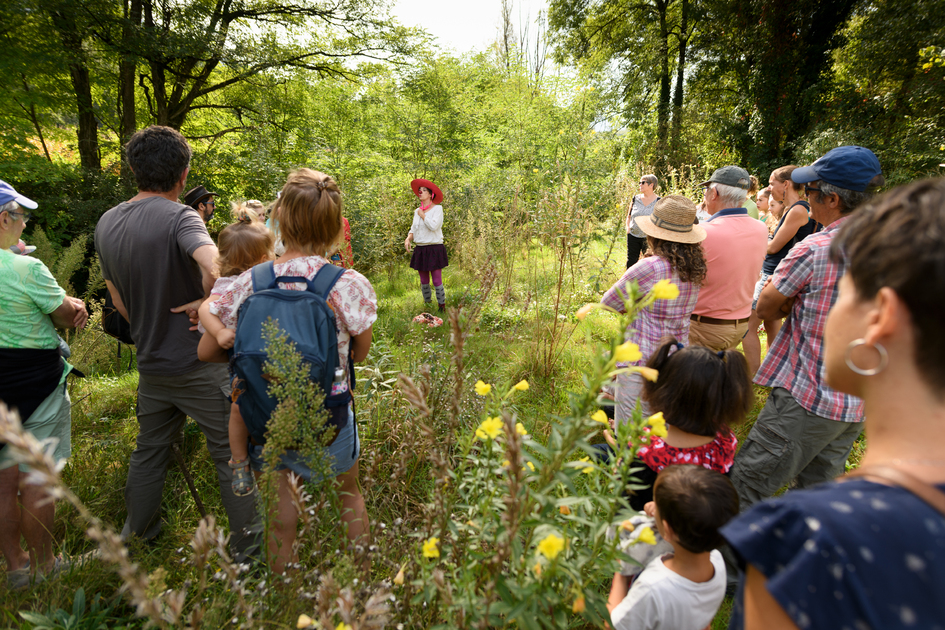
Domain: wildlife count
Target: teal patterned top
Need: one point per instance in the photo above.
(28, 294)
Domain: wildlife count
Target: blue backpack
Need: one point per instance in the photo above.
(309, 323)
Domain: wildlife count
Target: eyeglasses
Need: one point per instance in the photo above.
(26, 216)
(210, 202)
(808, 189)
(644, 182)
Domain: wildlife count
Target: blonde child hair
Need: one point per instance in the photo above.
(243, 244)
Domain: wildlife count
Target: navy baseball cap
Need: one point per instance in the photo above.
(850, 167)
(7, 194)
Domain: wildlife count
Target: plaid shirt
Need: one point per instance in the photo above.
(795, 360)
(663, 317)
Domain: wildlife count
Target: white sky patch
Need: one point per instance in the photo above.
(466, 25)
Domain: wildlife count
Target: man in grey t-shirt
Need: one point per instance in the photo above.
(157, 261)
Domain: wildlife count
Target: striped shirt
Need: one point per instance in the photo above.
(663, 317)
(795, 360)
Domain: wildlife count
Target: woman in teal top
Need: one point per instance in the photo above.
(32, 381)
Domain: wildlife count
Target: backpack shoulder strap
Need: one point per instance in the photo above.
(324, 281)
(264, 276)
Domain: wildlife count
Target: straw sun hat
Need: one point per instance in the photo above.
(673, 219)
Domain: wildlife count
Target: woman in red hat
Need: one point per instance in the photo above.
(429, 255)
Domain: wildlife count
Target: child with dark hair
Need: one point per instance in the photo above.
(700, 393)
(681, 590)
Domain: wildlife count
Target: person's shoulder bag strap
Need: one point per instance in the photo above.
(927, 492)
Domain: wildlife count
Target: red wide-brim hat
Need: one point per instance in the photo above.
(435, 193)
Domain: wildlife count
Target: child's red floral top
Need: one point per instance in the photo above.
(716, 455)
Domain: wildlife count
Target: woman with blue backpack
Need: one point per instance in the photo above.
(310, 223)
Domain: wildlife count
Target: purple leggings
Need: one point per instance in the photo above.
(437, 277)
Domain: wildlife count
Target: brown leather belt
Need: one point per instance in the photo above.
(702, 319)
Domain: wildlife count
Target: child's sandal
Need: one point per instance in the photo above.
(243, 482)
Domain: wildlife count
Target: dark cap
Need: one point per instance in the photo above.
(730, 176)
(196, 196)
(850, 167)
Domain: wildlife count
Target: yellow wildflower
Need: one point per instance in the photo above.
(648, 373)
(534, 170)
(627, 526)
(506, 463)
(304, 622)
(342, 626)
(521, 386)
(628, 353)
(490, 428)
(520, 429)
(430, 548)
(646, 536)
(600, 416)
(399, 578)
(589, 468)
(657, 424)
(550, 546)
(565, 510)
(531, 466)
(665, 290)
(579, 605)
(482, 388)
(585, 310)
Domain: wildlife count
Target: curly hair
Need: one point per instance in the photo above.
(686, 259)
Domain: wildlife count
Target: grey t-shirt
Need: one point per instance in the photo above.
(146, 250)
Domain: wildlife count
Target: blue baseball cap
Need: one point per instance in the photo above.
(850, 168)
(7, 194)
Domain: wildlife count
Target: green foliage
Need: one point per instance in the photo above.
(97, 616)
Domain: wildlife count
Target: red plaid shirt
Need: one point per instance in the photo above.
(795, 360)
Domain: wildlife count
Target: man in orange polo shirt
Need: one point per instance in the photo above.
(734, 247)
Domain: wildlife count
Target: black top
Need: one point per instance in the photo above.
(772, 260)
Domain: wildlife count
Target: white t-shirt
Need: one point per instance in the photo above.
(660, 598)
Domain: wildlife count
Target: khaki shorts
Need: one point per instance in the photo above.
(716, 336)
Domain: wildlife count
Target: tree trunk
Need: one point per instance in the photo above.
(662, 107)
(680, 79)
(82, 86)
(126, 81)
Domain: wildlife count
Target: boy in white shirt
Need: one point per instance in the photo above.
(680, 590)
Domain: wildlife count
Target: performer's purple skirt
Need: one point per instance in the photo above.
(429, 257)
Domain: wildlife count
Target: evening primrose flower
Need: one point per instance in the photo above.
(430, 548)
(628, 353)
(585, 310)
(531, 466)
(579, 605)
(600, 416)
(521, 386)
(657, 424)
(565, 510)
(342, 626)
(304, 622)
(520, 429)
(647, 536)
(550, 546)
(483, 389)
(399, 578)
(589, 468)
(490, 428)
(537, 569)
(665, 290)
(627, 526)
(648, 373)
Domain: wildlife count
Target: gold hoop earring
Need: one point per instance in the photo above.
(883, 358)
